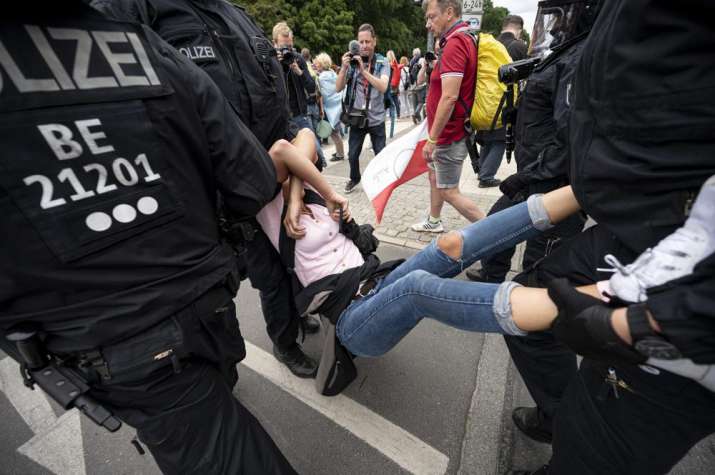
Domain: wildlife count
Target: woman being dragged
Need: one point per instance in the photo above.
(373, 305)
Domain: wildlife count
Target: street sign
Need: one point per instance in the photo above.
(474, 20)
(471, 6)
(472, 13)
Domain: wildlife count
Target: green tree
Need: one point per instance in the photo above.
(493, 17)
(321, 25)
(329, 25)
(399, 24)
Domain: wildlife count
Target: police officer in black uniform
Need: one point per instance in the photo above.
(115, 147)
(641, 145)
(542, 157)
(223, 40)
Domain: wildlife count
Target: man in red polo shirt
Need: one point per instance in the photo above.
(449, 101)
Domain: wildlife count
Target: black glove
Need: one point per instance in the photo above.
(584, 325)
(514, 187)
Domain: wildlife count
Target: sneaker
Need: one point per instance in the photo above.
(489, 183)
(428, 227)
(350, 186)
(336, 158)
(673, 257)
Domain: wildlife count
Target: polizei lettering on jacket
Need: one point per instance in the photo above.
(198, 52)
(97, 59)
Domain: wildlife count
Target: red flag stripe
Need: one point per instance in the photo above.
(415, 167)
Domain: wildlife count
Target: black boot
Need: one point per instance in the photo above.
(478, 275)
(297, 362)
(532, 423)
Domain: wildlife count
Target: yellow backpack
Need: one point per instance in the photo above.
(488, 90)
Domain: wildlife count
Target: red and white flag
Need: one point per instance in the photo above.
(398, 163)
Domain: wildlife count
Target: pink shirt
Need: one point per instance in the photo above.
(322, 252)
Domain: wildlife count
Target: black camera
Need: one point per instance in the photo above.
(287, 55)
(430, 56)
(514, 72)
(354, 52)
(357, 119)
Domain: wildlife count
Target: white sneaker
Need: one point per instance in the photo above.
(427, 227)
(675, 256)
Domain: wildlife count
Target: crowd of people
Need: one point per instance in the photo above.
(159, 152)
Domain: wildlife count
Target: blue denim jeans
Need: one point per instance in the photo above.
(355, 142)
(305, 122)
(422, 288)
(491, 154)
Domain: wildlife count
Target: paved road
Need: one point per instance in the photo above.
(421, 391)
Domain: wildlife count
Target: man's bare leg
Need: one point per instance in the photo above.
(462, 204)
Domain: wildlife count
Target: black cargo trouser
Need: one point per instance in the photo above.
(267, 274)
(545, 364)
(190, 420)
(645, 430)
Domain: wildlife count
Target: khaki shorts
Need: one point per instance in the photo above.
(447, 163)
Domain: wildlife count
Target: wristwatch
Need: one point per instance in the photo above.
(645, 340)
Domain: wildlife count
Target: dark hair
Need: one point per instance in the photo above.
(367, 27)
(515, 20)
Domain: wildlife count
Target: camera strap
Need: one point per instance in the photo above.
(352, 87)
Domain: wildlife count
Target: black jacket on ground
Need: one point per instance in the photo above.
(299, 88)
(224, 41)
(642, 137)
(109, 179)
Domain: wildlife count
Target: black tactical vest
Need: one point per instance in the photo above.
(642, 118)
(114, 146)
(225, 42)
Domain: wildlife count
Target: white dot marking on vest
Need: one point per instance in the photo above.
(147, 205)
(98, 221)
(124, 213)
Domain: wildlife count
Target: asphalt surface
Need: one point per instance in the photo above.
(424, 386)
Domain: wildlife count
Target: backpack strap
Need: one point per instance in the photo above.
(475, 38)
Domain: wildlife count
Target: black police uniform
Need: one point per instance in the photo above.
(115, 147)
(224, 41)
(541, 152)
(641, 137)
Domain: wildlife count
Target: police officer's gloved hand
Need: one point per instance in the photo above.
(514, 187)
(584, 325)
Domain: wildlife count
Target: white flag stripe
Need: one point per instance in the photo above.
(388, 165)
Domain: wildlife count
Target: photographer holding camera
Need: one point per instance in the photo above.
(299, 82)
(366, 75)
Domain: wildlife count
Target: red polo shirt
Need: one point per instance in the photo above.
(458, 57)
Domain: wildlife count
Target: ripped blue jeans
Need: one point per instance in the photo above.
(422, 287)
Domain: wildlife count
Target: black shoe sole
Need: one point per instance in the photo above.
(531, 432)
